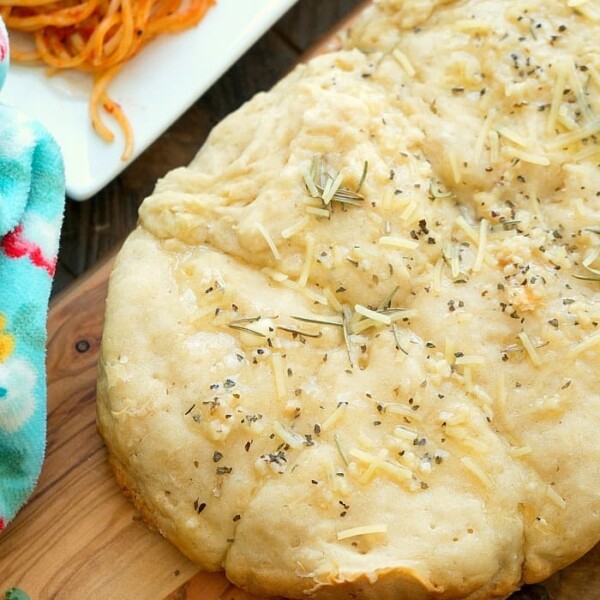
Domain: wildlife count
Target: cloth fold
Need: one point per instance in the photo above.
(4, 52)
(32, 196)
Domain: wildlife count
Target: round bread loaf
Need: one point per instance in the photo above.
(352, 350)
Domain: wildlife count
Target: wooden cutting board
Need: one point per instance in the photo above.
(79, 539)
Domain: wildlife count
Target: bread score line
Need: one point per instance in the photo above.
(352, 349)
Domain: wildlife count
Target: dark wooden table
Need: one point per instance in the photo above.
(96, 228)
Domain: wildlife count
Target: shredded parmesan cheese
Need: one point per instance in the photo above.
(557, 95)
(494, 140)
(566, 120)
(373, 466)
(279, 375)
(589, 13)
(335, 416)
(478, 150)
(363, 325)
(397, 473)
(555, 497)
(312, 202)
(333, 301)
(589, 152)
(479, 258)
(365, 441)
(468, 378)
(476, 470)
(594, 74)
(405, 433)
(472, 26)
(566, 139)
(407, 213)
(371, 314)
(451, 418)
(398, 242)
(364, 530)
(454, 260)
(542, 525)
(402, 409)
(269, 240)
(513, 136)
(318, 212)
(453, 160)
(275, 275)
(517, 452)
(404, 62)
(437, 275)
(471, 233)
(294, 285)
(530, 349)
(591, 342)
(297, 227)
(308, 259)
(291, 438)
(528, 157)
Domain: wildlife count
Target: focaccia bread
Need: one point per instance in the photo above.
(352, 350)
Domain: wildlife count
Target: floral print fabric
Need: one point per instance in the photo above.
(31, 207)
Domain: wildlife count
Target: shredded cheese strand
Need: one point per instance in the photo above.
(479, 258)
(297, 227)
(530, 348)
(404, 62)
(398, 242)
(309, 251)
(268, 239)
(364, 530)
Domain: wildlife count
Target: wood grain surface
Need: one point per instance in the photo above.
(78, 538)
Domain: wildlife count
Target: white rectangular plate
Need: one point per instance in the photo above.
(154, 89)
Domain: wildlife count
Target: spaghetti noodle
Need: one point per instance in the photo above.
(97, 36)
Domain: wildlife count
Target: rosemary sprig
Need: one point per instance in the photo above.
(246, 329)
(587, 277)
(317, 321)
(363, 176)
(339, 448)
(509, 224)
(397, 339)
(342, 195)
(387, 301)
(532, 32)
(346, 316)
(246, 320)
(240, 324)
(328, 187)
(301, 333)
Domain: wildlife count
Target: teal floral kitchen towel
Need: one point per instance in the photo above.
(32, 196)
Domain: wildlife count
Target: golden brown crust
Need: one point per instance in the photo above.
(131, 493)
